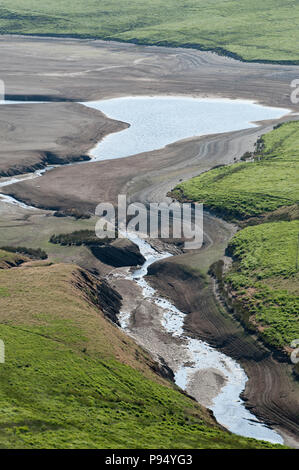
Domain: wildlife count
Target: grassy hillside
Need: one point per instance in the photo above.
(264, 280)
(73, 380)
(251, 30)
(245, 190)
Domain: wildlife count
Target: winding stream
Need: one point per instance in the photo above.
(156, 122)
(227, 406)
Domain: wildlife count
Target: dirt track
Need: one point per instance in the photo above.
(83, 70)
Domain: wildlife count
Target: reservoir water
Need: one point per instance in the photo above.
(159, 121)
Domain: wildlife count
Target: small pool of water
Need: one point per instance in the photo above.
(159, 121)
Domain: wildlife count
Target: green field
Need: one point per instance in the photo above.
(264, 280)
(245, 190)
(71, 379)
(266, 31)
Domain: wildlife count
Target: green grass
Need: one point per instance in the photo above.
(252, 30)
(73, 380)
(54, 397)
(245, 190)
(265, 281)
(35, 231)
(6, 256)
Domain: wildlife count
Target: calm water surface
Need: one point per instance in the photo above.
(159, 121)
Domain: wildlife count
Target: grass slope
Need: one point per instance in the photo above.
(73, 380)
(265, 281)
(252, 30)
(245, 190)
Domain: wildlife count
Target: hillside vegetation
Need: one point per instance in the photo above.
(250, 189)
(72, 379)
(254, 30)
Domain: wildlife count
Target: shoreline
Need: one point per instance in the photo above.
(70, 94)
(166, 44)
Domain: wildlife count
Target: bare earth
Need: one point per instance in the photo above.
(87, 70)
(34, 135)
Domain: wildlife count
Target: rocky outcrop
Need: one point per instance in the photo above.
(44, 159)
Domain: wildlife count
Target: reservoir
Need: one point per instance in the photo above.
(159, 121)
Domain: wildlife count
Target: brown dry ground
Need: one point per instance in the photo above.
(34, 135)
(85, 70)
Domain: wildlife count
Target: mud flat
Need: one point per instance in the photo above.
(35, 135)
(62, 70)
